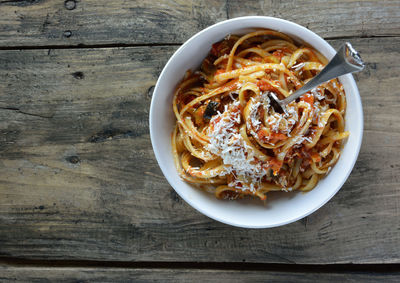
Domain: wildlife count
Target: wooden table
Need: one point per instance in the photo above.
(81, 194)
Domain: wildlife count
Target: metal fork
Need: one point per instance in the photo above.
(347, 60)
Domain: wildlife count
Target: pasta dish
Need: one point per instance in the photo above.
(228, 139)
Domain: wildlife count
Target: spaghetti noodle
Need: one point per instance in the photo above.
(228, 139)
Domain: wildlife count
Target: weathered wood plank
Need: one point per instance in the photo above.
(328, 18)
(92, 22)
(68, 274)
(70, 22)
(78, 179)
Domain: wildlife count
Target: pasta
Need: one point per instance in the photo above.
(229, 140)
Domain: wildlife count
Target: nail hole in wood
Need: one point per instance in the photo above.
(73, 159)
(78, 75)
(67, 33)
(70, 4)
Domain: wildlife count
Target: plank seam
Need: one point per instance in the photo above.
(227, 6)
(294, 268)
(86, 46)
(122, 45)
(361, 36)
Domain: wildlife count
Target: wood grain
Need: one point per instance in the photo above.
(38, 23)
(93, 22)
(329, 19)
(78, 179)
(32, 274)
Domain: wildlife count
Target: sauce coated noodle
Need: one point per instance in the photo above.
(228, 139)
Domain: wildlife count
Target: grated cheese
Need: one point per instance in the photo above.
(317, 94)
(226, 142)
(287, 189)
(298, 66)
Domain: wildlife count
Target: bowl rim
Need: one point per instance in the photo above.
(193, 203)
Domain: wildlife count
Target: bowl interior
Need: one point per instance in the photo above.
(281, 208)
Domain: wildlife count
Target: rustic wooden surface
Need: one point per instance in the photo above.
(78, 178)
(91, 22)
(182, 275)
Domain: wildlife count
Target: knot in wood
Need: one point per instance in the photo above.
(150, 91)
(73, 159)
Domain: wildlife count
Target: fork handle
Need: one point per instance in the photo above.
(347, 60)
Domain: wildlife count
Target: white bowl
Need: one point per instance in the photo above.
(282, 208)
